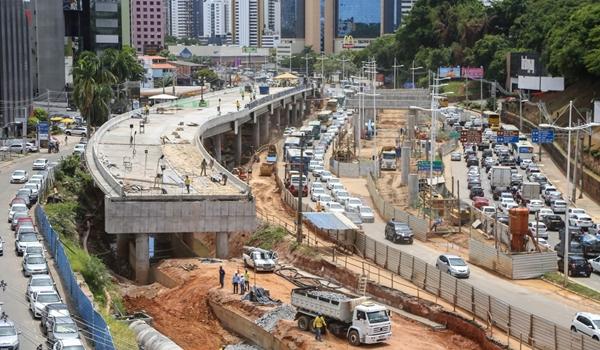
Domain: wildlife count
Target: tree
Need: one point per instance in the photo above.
(208, 75)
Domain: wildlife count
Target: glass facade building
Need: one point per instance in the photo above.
(292, 18)
(359, 18)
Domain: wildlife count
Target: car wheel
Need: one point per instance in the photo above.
(303, 323)
(595, 338)
(68, 133)
(354, 338)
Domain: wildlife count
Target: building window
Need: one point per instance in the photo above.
(151, 16)
(157, 16)
(152, 36)
(145, 23)
(145, 16)
(137, 16)
(145, 36)
(139, 23)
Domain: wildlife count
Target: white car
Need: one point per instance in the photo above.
(19, 177)
(506, 196)
(580, 220)
(337, 187)
(33, 265)
(545, 211)
(352, 204)
(366, 214)
(38, 283)
(586, 323)
(539, 228)
(79, 149)
(17, 207)
(544, 243)
(488, 210)
(326, 175)
(525, 163)
(535, 205)
(317, 184)
(595, 264)
(40, 300)
(324, 199)
(340, 196)
(331, 181)
(507, 205)
(317, 170)
(559, 206)
(577, 211)
(68, 344)
(334, 207)
(40, 164)
(315, 193)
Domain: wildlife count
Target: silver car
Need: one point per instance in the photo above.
(38, 283)
(39, 301)
(62, 328)
(19, 177)
(9, 336)
(34, 264)
(453, 265)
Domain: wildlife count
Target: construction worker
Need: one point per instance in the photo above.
(187, 182)
(221, 276)
(235, 280)
(203, 168)
(146, 110)
(247, 279)
(318, 324)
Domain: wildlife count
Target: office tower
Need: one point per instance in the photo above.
(246, 19)
(105, 24)
(292, 18)
(271, 15)
(217, 20)
(126, 24)
(16, 88)
(312, 24)
(391, 15)
(198, 18)
(181, 18)
(359, 18)
(147, 25)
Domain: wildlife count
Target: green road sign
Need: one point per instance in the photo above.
(454, 134)
(247, 49)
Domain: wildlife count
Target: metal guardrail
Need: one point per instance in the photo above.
(113, 183)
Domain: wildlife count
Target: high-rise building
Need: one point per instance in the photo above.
(358, 18)
(147, 25)
(406, 6)
(198, 18)
(217, 20)
(292, 19)
(391, 15)
(312, 24)
(246, 19)
(105, 24)
(16, 87)
(181, 18)
(271, 15)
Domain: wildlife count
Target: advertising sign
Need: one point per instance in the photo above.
(525, 64)
(348, 42)
(472, 72)
(43, 130)
(449, 72)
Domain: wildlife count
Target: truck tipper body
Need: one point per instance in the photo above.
(355, 318)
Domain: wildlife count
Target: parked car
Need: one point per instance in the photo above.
(586, 323)
(476, 192)
(40, 164)
(334, 207)
(24, 240)
(352, 204)
(453, 265)
(578, 266)
(34, 264)
(595, 262)
(398, 232)
(79, 149)
(51, 311)
(40, 300)
(62, 328)
(78, 130)
(38, 283)
(366, 214)
(16, 208)
(537, 229)
(18, 217)
(331, 181)
(68, 344)
(19, 177)
(580, 220)
(340, 196)
(315, 193)
(9, 336)
(558, 206)
(455, 156)
(553, 222)
(479, 202)
(28, 195)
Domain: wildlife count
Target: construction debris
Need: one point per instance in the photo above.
(188, 267)
(241, 346)
(210, 261)
(328, 295)
(269, 320)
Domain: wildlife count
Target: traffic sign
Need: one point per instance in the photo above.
(424, 165)
(542, 135)
(454, 134)
(503, 136)
(470, 136)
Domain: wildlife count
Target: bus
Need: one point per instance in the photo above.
(493, 120)
(523, 150)
(316, 128)
(297, 161)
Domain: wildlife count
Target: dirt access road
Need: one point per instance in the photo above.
(182, 313)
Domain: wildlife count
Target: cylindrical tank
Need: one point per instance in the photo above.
(518, 220)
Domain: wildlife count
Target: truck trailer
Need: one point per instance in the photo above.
(355, 318)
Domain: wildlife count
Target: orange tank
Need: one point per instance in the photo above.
(518, 220)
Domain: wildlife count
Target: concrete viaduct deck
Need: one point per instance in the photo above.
(141, 166)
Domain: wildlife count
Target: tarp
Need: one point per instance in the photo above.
(163, 97)
(286, 76)
(330, 221)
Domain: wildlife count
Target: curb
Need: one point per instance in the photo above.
(570, 291)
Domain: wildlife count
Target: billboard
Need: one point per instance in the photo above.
(542, 83)
(596, 112)
(449, 72)
(472, 72)
(43, 130)
(525, 64)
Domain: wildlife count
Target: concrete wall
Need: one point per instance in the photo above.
(355, 169)
(178, 216)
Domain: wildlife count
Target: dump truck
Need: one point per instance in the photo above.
(259, 259)
(501, 178)
(268, 166)
(387, 158)
(356, 318)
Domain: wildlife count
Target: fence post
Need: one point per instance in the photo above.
(425, 278)
(412, 269)
(531, 328)
(440, 283)
(399, 270)
(473, 307)
(555, 339)
(385, 265)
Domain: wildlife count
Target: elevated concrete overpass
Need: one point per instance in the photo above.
(394, 99)
(141, 166)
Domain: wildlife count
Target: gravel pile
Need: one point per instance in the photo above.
(270, 319)
(329, 295)
(242, 346)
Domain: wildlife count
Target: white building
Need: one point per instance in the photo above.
(272, 17)
(217, 18)
(246, 23)
(181, 18)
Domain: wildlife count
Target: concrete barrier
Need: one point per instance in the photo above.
(360, 168)
(151, 339)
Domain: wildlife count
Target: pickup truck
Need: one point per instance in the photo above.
(354, 318)
(259, 259)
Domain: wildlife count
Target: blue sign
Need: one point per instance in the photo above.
(510, 137)
(424, 165)
(43, 130)
(542, 136)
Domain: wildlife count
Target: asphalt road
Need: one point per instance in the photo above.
(15, 304)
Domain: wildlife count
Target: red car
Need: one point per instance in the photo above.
(23, 220)
(479, 202)
(17, 200)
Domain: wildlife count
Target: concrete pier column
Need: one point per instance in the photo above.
(142, 258)
(294, 114)
(265, 133)
(123, 247)
(222, 245)
(413, 189)
(218, 147)
(256, 133)
(278, 113)
(237, 149)
(404, 165)
(412, 121)
(288, 115)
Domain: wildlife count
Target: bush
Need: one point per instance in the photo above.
(97, 278)
(62, 218)
(267, 237)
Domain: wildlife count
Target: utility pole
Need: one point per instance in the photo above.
(567, 241)
(306, 59)
(481, 93)
(395, 66)
(540, 145)
(575, 173)
(343, 60)
(300, 192)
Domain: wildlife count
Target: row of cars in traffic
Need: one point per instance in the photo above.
(45, 302)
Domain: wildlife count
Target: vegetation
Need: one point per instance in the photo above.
(558, 278)
(76, 191)
(267, 237)
(566, 34)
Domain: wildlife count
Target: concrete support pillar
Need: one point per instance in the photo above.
(278, 113)
(222, 245)
(142, 258)
(218, 147)
(265, 133)
(294, 114)
(123, 247)
(256, 133)
(411, 122)
(237, 149)
(404, 165)
(413, 189)
(288, 113)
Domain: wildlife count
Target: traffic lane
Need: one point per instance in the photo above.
(15, 304)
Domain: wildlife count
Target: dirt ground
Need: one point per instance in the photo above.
(182, 313)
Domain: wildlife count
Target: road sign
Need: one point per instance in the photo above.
(454, 134)
(470, 136)
(43, 129)
(424, 165)
(511, 136)
(248, 49)
(542, 136)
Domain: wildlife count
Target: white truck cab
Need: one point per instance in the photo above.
(370, 324)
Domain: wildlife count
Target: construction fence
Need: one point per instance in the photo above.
(359, 168)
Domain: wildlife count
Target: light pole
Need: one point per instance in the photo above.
(300, 193)
(306, 59)
(413, 69)
(343, 60)
(569, 128)
(396, 66)
(521, 101)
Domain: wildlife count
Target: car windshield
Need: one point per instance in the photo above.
(366, 210)
(48, 298)
(19, 208)
(378, 316)
(65, 328)
(457, 262)
(335, 205)
(28, 237)
(35, 260)
(389, 156)
(41, 282)
(73, 347)
(7, 331)
(19, 172)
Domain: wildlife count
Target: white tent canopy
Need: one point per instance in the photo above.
(163, 97)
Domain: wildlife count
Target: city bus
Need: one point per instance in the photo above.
(523, 150)
(297, 161)
(492, 119)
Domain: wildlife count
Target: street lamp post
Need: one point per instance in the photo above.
(300, 192)
(413, 69)
(395, 75)
(343, 60)
(521, 101)
(306, 59)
